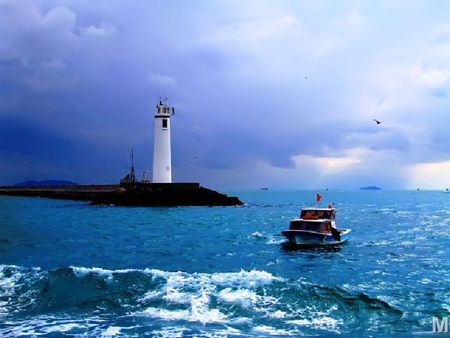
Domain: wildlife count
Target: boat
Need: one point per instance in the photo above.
(370, 187)
(316, 227)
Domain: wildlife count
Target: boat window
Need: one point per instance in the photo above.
(329, 214)
(318, 214)
(309, 214)
(312, 226)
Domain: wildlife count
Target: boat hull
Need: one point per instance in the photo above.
(311, 238)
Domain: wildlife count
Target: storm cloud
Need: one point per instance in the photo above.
(266, 93)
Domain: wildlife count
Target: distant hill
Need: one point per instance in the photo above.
(370, 187)
(44, 183)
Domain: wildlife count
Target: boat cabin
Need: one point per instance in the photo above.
(318, 213)
(314, 219)
(316, 225)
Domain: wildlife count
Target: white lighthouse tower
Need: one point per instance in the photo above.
(162, 159)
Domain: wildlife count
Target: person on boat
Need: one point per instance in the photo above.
(336, 233)
(325, 227)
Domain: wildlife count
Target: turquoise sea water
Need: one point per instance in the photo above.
(70, 269)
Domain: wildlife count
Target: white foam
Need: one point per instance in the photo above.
(257, 234)
(248, 279)
(264, 329)
(196, 314)
(198, 300)
(200, 311)
(196, 290)
(243, 297)
(9, 284)
(44, 325)
(62, 327)
(169, 332)
(220, 333)
(150, 295)
(426, 281)
(174, 295)
(277, 314)
(274, 241)
(192, 297)
(82, 271)
(167, 314)
(378, 243)
(111, 331)
(320, 322)
(232, 331)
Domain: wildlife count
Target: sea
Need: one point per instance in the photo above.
(69, 269)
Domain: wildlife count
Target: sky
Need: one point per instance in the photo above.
(278, 94)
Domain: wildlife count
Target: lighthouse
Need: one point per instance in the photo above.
(162, 159)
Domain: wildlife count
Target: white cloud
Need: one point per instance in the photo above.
(326, 164)
(161, 81)
(30, 35)
(60, 18)
(442, 32)
(431, 77)
(99, 31)
(249, 33)
(433, 175)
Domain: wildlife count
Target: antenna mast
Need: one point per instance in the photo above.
(132, 173)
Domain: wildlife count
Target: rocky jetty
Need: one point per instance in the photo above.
(131, 194)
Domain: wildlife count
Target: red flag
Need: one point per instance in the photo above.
(318, 197)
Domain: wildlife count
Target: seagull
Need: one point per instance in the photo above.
(377, 122)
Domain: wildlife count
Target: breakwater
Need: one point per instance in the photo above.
(132, 194)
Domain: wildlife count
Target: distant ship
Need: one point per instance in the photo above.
(370, 187)
(264, 188)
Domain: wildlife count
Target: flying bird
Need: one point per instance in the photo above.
(376, 121)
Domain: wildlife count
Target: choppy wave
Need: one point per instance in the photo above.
(79, 300)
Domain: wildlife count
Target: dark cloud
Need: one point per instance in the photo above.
(251, 84)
